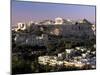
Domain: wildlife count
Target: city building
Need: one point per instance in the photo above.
(58, 21)
(22, 26)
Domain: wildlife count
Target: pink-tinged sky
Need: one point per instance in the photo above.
(35, 11)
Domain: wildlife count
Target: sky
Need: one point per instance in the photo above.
(23, 11)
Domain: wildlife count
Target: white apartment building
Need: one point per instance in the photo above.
(58, 21)
(22, 26)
